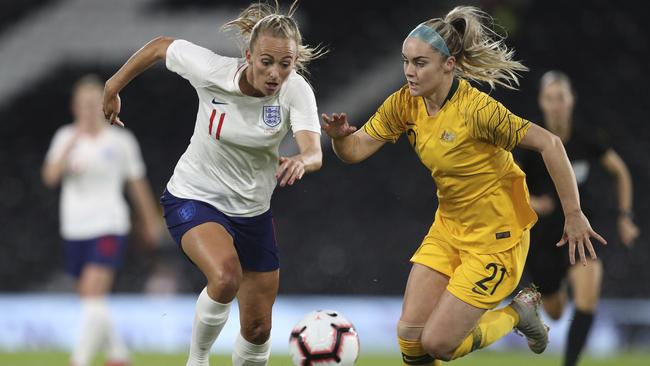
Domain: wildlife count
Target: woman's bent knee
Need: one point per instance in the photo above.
(224, 284)
(257, 332)
(437, 346)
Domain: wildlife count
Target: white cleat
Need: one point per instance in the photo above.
(526, 303)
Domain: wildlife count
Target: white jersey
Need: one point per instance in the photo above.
(92, 203)
(233, 154)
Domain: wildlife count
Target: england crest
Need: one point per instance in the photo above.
(271, 115)
(187, 211)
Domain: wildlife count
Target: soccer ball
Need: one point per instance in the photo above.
(324, 338)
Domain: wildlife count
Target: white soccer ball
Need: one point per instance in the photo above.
(324, 338)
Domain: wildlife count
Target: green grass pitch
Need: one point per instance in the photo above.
(485, 358)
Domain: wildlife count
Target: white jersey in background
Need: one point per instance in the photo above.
(233, 153)
(92, 202)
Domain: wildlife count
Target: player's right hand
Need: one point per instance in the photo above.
(111, 108)
(578, 234)
(337, 126)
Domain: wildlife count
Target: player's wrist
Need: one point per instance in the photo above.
(340, 137)
(111, 88)
(573, 212)
(625, 214)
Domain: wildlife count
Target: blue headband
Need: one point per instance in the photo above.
(430, 36)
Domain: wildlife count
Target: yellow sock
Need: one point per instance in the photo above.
(413, 354)
(493, 325)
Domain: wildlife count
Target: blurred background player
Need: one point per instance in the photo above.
(217, 203)
(474, 254)
(548, 267)
(93, 164)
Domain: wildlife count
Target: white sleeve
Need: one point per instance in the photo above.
(303, 112)
(194, 63)
(134, 167)
(59, 142)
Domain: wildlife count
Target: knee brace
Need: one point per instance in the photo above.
(409, 331)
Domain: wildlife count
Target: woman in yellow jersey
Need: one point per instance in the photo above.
(473, 256)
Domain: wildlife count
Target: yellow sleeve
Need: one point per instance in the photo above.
(490, 121)
(388, 123)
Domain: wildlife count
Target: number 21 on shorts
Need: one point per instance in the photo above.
(487, 284)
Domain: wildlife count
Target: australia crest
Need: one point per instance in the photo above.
(271, 115)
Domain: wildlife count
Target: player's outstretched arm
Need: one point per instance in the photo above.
(577, 230)
(141, 196)
(350, 145)
(613, 163)
(52, 171)
(145, 57)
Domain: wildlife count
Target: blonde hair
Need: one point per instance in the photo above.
(480, 52)
(88, 80)
(262, 18)
(555, 76)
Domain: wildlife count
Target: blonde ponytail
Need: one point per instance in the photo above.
(262, 18)
(480, 52)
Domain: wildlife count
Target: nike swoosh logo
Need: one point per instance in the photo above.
(214, 101)
(417, 360)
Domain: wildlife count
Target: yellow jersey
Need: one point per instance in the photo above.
(483, 202)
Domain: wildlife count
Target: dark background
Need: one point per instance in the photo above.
(345, 229)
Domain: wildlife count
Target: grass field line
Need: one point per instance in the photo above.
(484, 358)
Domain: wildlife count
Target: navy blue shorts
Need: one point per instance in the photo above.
(105, 250)
(254, 237)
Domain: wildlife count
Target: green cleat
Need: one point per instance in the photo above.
(526, 303)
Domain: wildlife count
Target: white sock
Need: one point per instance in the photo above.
(209, 318)
(116, 350)
(94, 321)
(249, 354)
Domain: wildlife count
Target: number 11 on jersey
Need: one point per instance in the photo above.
(221, 118)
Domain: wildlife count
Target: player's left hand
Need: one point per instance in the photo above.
(578, 232)
(151, 234)
(627, 230)
(111, 107)
(290, 170)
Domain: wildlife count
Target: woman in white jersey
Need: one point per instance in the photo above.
(94, 163)
(217, 203)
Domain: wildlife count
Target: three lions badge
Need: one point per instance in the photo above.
(271, 115)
